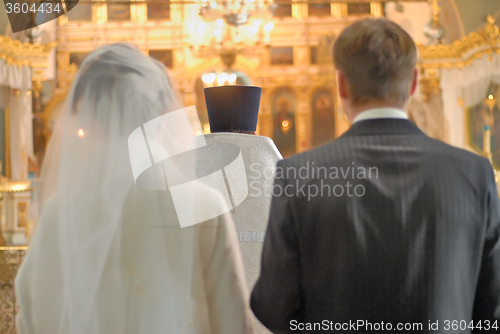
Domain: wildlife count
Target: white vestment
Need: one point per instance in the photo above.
(173, 280)
(260, 156)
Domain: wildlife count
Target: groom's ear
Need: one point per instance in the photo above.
(414, 83)
(342, 86)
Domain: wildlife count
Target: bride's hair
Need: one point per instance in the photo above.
(107, 86)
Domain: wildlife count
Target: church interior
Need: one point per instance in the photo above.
(284, 46)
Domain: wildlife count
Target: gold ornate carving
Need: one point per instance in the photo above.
(25, 54)
(282, 80)
(138, 12)
(376, 9)
(37, 87)
(99, 12)
(65, 71)
(299, 10)
(118, 39)
(79, 39)
(339, 10)
(429, 83)
(167, 37)
(8, 186)
(462, 52)
(283, 34)
(435, 10)
(22, 214)
(10, 260)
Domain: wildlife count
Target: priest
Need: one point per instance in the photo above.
(232, 113)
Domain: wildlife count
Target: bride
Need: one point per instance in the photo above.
(111, 258)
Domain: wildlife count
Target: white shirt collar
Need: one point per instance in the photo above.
(380, 113)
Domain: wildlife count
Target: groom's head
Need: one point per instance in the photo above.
(375, 60)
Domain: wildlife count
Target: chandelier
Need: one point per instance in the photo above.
(229, 27)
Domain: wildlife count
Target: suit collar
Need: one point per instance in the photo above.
(383, 126)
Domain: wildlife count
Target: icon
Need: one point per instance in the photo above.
(165, 153)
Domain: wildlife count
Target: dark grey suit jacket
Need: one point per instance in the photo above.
(413, 239)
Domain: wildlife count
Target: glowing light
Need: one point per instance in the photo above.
(19, 187)
(201, 28)
(250, 1)
(221, 78)
(285, 123)
(253, 30)
(81, 133)
(208, 78)
(191, 26)
(231, 78)
(256, 23)
(218, 32)
(206, 128)
(213, 5)
(269, 26)
(490, 97)
(219, 22)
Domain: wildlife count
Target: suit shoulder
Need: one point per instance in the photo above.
(434, 148)
(458, 153)
(309, 155)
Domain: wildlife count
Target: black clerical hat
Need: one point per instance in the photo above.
(233, 108)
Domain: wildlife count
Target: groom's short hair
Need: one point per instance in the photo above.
(377, 58)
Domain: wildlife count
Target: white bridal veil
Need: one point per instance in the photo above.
(108, 257)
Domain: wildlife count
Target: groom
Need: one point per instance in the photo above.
(406, 237)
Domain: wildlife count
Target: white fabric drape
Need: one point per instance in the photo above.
(470, 84)
(14, 76)
(15, 82)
